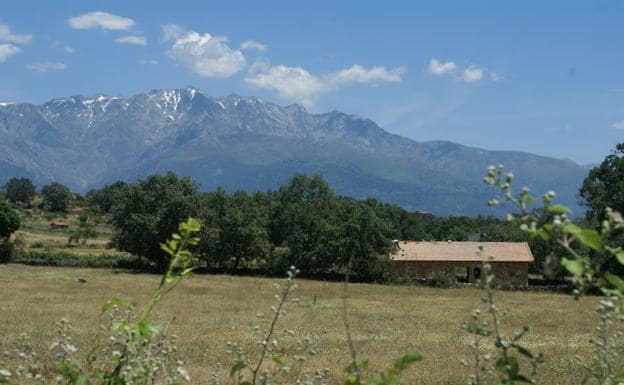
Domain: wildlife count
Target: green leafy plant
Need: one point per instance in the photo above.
(501, 365)
(444, 278)
(592, 262)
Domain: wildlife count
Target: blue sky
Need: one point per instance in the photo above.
(543, 77)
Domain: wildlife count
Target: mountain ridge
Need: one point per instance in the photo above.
(240, 142)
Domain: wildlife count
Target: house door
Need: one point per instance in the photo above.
(476, 273)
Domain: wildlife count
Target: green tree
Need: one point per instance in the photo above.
(234, 229)
(303, 221)
(604, 186)
(20, 190)
(104, 199)
(363, 239)
(9, 223)
(149, 210)
(56, 197)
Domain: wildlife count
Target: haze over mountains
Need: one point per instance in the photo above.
(246, 143)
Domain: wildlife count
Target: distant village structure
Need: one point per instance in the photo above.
(509, 260)
(59, 225)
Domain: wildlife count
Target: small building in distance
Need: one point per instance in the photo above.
(509, 260)
(59, 225)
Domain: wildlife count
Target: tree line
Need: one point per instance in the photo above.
(302, 223)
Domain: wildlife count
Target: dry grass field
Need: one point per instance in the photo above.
(35, 234)
(209, 311)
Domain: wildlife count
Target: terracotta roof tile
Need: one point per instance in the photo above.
(462, 251)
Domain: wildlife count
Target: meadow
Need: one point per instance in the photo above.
(35, 234)
(207, 311)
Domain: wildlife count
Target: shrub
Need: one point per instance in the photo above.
(19, 241)
(66, 259)
(444, 278)
(36, 245)
(7, 250)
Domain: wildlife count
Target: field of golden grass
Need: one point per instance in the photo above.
(208, 311)
(35, 234)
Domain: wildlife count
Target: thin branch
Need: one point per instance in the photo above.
(265, 343)
(345, 319)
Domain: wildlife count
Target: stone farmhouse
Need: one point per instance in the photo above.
(509, 260)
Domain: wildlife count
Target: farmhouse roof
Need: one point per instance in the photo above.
(462, 251)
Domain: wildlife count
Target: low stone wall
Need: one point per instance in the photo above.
(513, 273)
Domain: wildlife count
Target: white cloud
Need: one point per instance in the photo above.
(205, 55)
(619, 125)
(8, 50)
(495, 76)
(472, 74)
(7, 36)
(59, 44)
(439, 68)
(359, 74)
(46, 66)
(132, 39)
(172, 31)
(298, 84)
(102, 20)
(293, 83)
(253, 45)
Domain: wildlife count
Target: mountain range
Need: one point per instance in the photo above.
(247, 143)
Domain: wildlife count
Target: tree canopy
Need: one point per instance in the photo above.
(56, 197)
(304, 223)
(20, 190)
(104, 199)
(148, 211)
(9, 220)
(604, 186)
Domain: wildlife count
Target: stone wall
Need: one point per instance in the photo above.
(513, 273)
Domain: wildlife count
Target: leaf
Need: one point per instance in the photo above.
(544, 233)
(611, 284)
(118, 325)
(351, 380)
(620, 256)
(386, 380)
(356, 366)
(574, 266)
(278, 361)
(237, 367)
(522, 350)
(508, 366)
(521, 378)
(558, 209)
(406, 360)
(587, 237)
(119, 302)
(91, 357)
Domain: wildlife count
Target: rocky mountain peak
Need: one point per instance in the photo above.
(241, 142)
